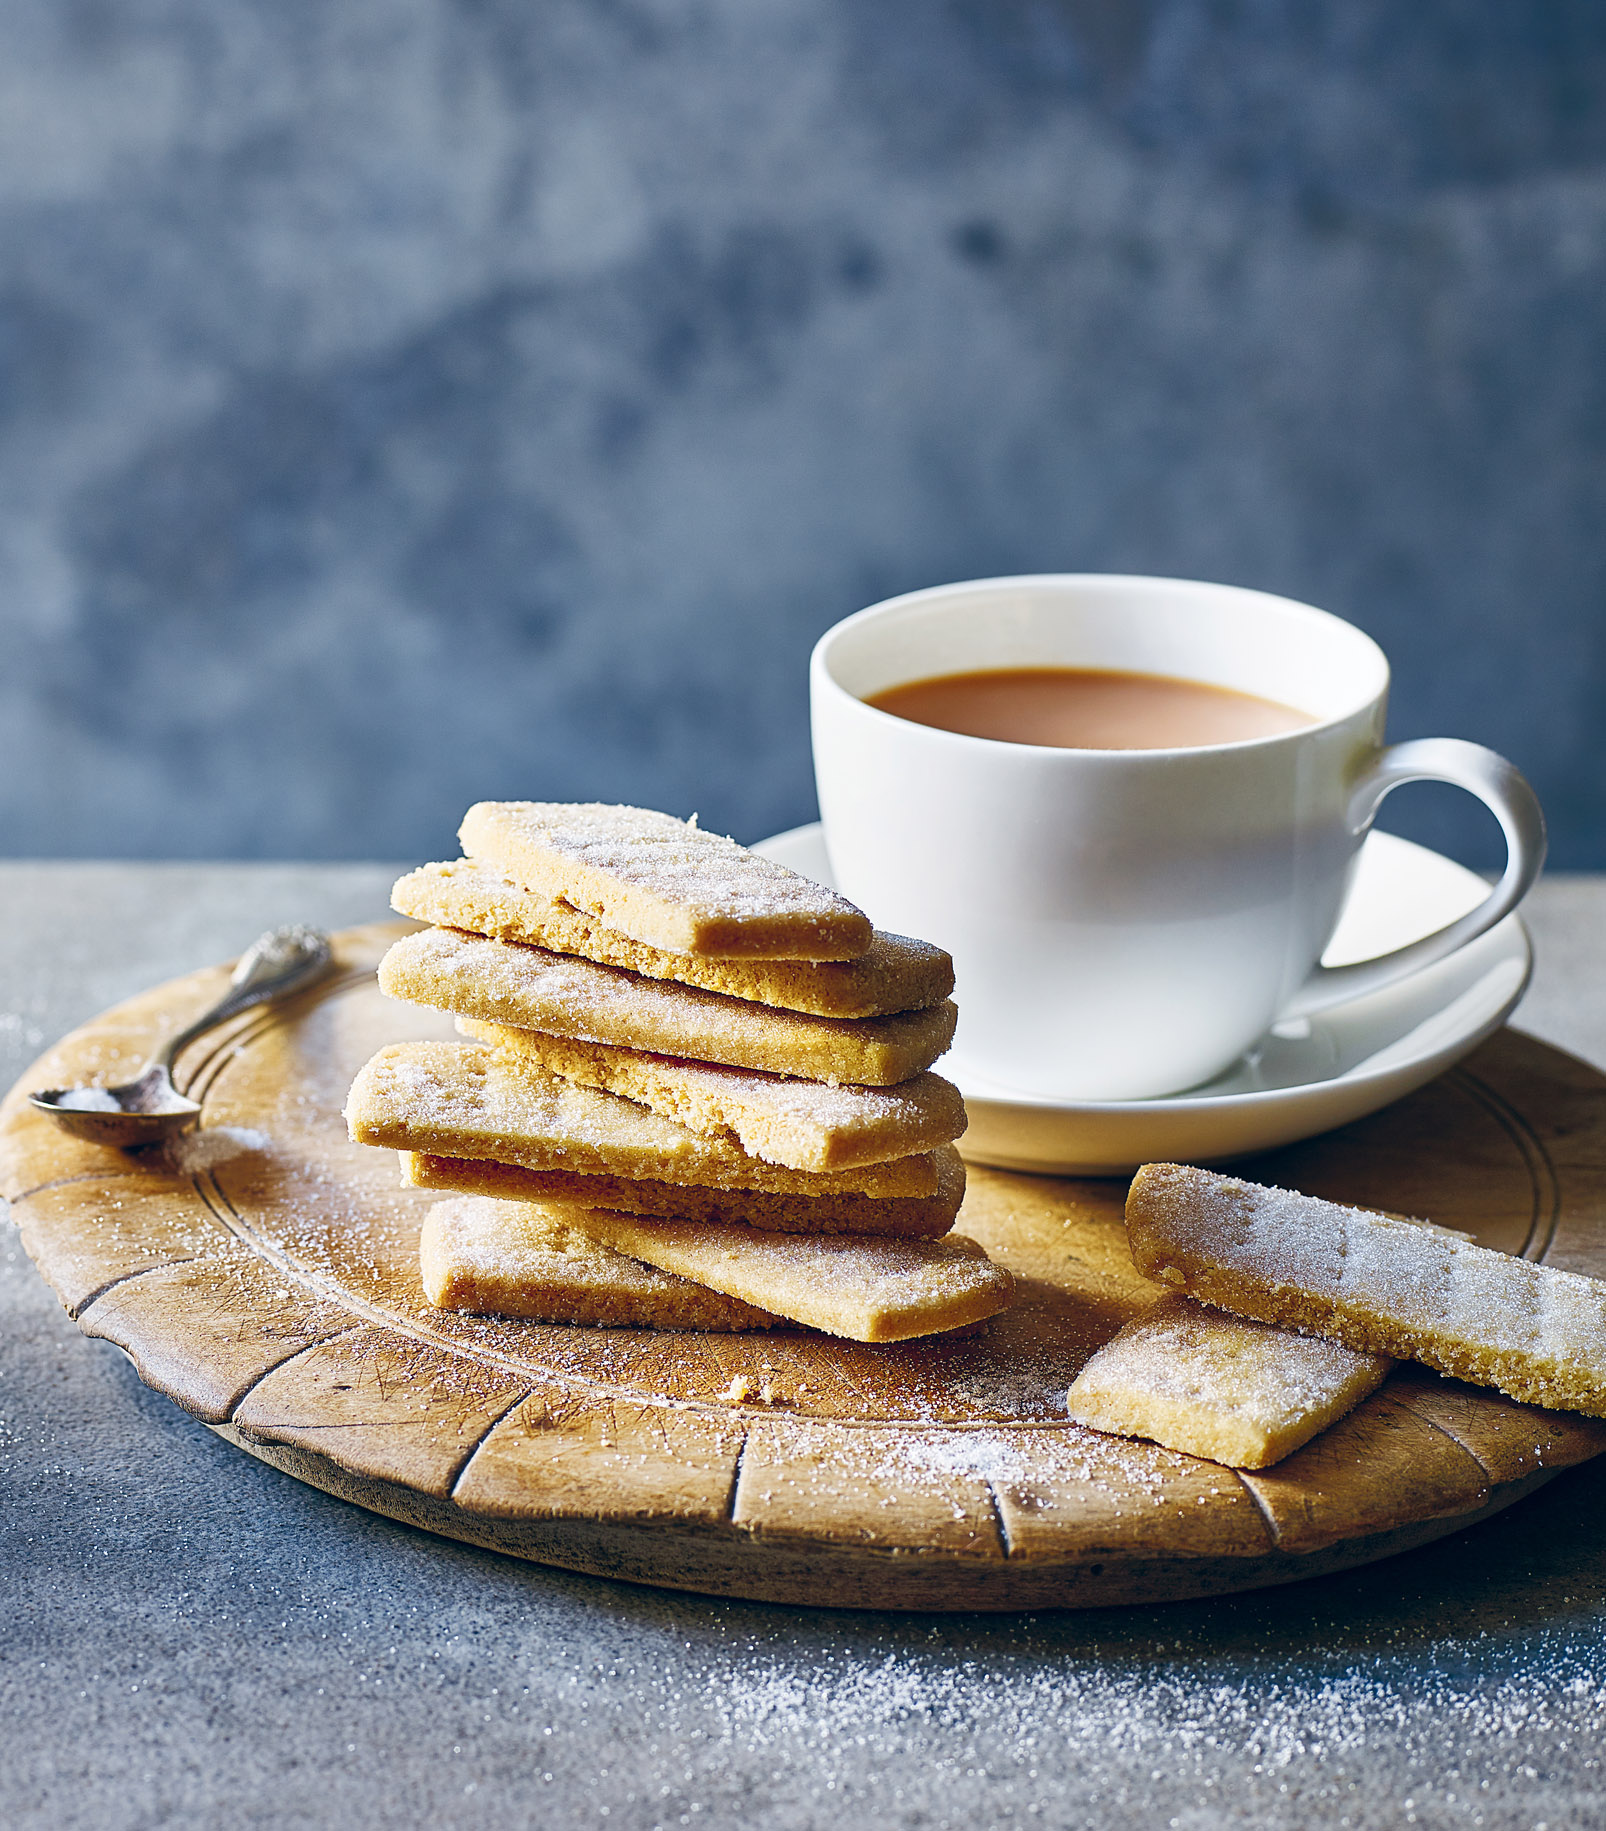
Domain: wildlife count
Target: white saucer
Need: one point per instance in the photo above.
(1322, 1072)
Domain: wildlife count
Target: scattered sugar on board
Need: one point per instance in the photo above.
(191, 1153)
(1021, 1380)
(985, 1454)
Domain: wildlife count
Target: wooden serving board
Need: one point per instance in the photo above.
(267, 1281)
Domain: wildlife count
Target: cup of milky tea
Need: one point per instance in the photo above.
(1130, 808)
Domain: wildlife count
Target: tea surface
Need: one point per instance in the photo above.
(1088, 709)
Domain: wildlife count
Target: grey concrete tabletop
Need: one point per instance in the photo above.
(193, 1639)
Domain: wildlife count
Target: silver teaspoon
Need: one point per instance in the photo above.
(150, 1108)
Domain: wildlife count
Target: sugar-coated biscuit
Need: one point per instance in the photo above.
(664, 881)
(462, 1100)
(1375, 1284)
(909, 1217)
(528, 1259)
(894, 974)
(862, 1288)
(503, 982)
(1213, 1385)
(805, 1125)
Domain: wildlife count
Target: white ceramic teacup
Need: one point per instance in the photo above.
(1125, 923)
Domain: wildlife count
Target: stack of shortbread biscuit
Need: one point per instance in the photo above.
(688, 1071)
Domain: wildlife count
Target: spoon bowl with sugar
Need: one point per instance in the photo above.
(150, 1108)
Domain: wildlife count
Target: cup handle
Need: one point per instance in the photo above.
(1512, 802)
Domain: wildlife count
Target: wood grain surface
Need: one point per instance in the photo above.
(265, 1277)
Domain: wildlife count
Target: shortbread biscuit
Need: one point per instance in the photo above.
(502, 982)
(1379, 1285)
(460, 1100)
(528, 1259)
(909, 1217)
(1213, 1385)
(664, 881)
(804, 1125)
(895, 974)
(849, 1285)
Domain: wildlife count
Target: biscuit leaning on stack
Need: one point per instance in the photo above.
(691, 1058)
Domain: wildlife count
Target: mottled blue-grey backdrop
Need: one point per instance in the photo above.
(408, 401)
